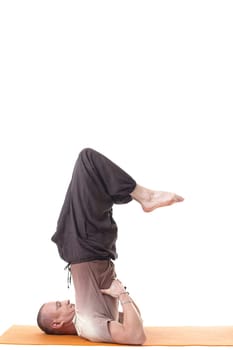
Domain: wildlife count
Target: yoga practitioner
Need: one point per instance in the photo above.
(86, 235)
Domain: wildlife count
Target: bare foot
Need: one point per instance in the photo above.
(151, 200)
(160, 199)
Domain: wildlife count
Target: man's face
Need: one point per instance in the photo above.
(60, 310)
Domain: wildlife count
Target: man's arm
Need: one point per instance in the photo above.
(131, 330)
(121, 315)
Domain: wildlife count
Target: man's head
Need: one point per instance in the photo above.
(56, 317)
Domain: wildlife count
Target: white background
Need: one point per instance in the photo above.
(149, 84)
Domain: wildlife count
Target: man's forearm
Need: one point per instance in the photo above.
(131, 316)
(130, 331)
(121, 314)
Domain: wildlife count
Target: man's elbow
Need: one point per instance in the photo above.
(141, 338)
(127, 335)
(137, 338)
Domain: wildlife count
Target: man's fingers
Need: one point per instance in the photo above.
(105, 291)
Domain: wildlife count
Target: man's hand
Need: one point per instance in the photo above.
(115, 289)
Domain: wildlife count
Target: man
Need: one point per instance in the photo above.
(86, 235)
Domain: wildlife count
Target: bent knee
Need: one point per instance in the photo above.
(86, 153)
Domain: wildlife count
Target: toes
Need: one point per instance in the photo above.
(178, 198)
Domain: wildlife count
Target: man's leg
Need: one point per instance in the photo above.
(151, 200)
(86, 229)
(104, 183)
(121, 187)
(104, 178)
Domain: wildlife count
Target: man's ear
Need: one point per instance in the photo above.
(57, 324)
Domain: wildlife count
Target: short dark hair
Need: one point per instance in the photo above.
(44, 323)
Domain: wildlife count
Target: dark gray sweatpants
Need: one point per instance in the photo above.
(86, 230)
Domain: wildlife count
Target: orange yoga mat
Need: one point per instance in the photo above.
(156, 336)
